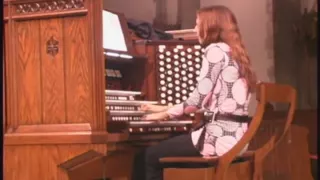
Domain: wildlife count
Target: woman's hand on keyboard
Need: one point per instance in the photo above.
(153, 108)
(156, 116)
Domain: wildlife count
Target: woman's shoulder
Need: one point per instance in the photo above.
(217, 46)
(216, 52)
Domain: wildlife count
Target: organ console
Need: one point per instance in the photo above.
(173, 79)
(75, 81)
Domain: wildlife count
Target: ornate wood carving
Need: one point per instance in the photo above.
(49, 6)
(52, 46)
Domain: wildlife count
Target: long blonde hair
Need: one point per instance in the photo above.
(218, 24)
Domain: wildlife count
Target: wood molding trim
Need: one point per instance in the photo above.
(47, 128)
(187, 34)
(50, 15)
(84, 137)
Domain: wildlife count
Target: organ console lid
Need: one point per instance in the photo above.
(117, 42)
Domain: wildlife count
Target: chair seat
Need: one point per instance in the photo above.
(248, 155)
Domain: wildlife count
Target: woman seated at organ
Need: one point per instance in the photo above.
(224, 87)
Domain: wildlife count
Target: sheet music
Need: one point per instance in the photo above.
(113, 37)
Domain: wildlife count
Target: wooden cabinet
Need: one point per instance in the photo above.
(54, 86)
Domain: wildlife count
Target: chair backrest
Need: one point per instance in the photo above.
(277, 93)
(265, 93)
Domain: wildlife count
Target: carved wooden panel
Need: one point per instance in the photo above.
(5, 12)
(28, 73)
(4, 59)
(52, 72)
(36, 9)
(48, 6)
(4, 41)
(52, 46)
(10, 85)
(43, 160)
(78, 70)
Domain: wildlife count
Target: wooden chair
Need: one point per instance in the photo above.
(230, 165)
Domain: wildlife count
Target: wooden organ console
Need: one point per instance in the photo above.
(74, 86)
(171, 70)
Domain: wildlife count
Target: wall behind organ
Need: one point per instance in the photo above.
(136, 9)
(255, 22)
(146, 10)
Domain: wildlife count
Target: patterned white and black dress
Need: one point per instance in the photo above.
(220, 89)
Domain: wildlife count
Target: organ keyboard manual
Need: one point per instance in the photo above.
(123, 108)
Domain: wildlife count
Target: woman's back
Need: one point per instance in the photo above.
(230, 93)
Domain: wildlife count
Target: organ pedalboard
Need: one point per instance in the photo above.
(124, 113)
